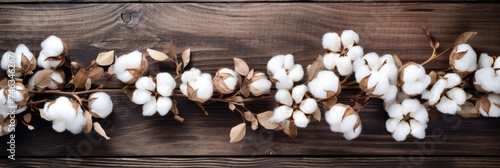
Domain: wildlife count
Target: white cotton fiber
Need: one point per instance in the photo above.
(350, 135)
(298, 93)
(190, 75)
(102, 104)
(149, 108)
(349, 38)
(329, 60)
(296, 73)
(183, 88)
(435, 93)
(417, 129)
(410, 105)
(484, 61)
(275, 63)
(281, 113)
(331, 41)
(163, 105)
(457, 95)
(53, 46)
(145, 83)
(59, 125)
(308, 105)
(373, 61)
(20, 51)
(262, 84)
(334, 115)
(391, 124)
(453, 80)
(391, 93)
(288, 62)
(55, 77)
(324, 81)
(348, 123)
(447, 106)
(355, 53)
(286, 83)
(283, 96)
(76, 126)
(140, 96)
(300, 119)
(395, 111)
(165, 83)
(6, 59)
(420, 115)
(468, 61)
(402, 130)
(344, 66)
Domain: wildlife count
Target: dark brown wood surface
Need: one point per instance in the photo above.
(217, 32)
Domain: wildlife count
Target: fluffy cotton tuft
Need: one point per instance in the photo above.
(343, 51)
(463, 63)
(376, 75)
(331, 41)
(325, 82)
(62, 114)
(284, 71)
(149, 108)
(127, 62)
(414, 79)
(259, 84)
(300, 119)
(308, 106)
(163, 105)
(145, 83)
(298, 93)
(409, 116)
(101, 104)
(165, 84)
(339, 121)
(15, 59)
(200, 82)
(283, 96)
(489, 105)
(281, 113)
(52, 46)
(487, 78)
(140, 96)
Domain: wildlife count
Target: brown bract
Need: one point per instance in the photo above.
(138, 72)
(350, 111)
(256, 76)
(219, 84)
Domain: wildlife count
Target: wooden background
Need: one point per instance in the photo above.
(216, 31)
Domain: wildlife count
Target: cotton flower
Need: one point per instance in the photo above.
(407, 117)
(413, 79)
(377, 76)
(196, 86)
(100, 103)
(463, 59)
(487, 77)
(225, 80)
(342, 51)
(343, 119)
(130, 67)
(164, 84)
(65, 114)
(294, 104)
(489, 105)
(57, 77)
(259, 84)
(22, 61)
(325, 85)
(284, 71)
(53, 53)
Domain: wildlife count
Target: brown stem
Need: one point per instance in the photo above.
(74, 93)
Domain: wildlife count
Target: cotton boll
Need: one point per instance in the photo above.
(53, 46)
(149, 108)
(485, 61)
(281, 113)
(418, 129)
(145, 83)
(124, 77)
(410, 105)
(412, 73)
(453, 80)
(329, 81)
(56, 79)
(420, 115)
(283, 96)
(288, 61)
(263, 85)
(296, 73)
(435, 93)
(101, 104)
(6, 59)
(361, 72)
(331, 41)
(280, 75)
(183, 88)
(165, 83)
(163, 105)
(59, 125)
(141, 96)
(402, 130)
(76, 126)
(128, 61)
(334, 115)
(344, 66)
(316, 89)
(300, 119)
(308, 106)
(20, 51)
(190, 75)
(391, 93)
(355, 52)
(391, 124)
(391, 72)
(349, 38)
(373, 61)
(61, 108)
(348, 123)
(284, 84)
(468, 62)
(382, 85)
(329, 60)
(275, 63)
(457, 95)
(350, 135)
(395, 111)
(231, 83)
(298, 93)
(335, 127)
(447, 106)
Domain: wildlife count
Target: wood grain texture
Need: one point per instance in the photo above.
(263, 162)
(216, 32)
(226, 1)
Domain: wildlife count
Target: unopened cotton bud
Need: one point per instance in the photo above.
(259, 84)
(101, 104)
(163, 105)
(331, 41)
(300, 119)
(283, 96)
(141, 96)
(145, 83)
(149, 108)
(225, 80)
(281, 113)
(298, 93)
(308, 106)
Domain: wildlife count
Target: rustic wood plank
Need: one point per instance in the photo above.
(216, 32)
(263, 162)
(226, 1)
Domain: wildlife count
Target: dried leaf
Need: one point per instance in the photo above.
(88, 84)
(264, 120)
(100, 131)
(105, 58)
(254, 125)
(202, 107)
(237, 133)
(433, 76)
(186, 57)
(314, 68)
(397, 61)
(42, 115)
(74, 65)
(179, 118)
(43, 80)
(241, 66)
(171, 51)
(174, 109)
(317, 114)
(95, 73)
(250, 74)
(30, 127)
(291, 130)
(157, 55)
(249, 116)
(27, 117)
(468, 110)
(111, 69)
(88, 122)
(231, 106)
(464, 37)
(80, 78)
(25, 63)
(458, 56)
(244, 90)
(329, 103)
(238, 99)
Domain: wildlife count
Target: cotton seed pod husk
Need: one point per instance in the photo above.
(138, 72)
(27, 66)
(255, 77)
(401, 72)
(456, 56)
(61, 56)
(219, 84)
(192, 95)
(350, 111)
(369, 91)
(484, 105)
(63, 76)
(23, 91)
